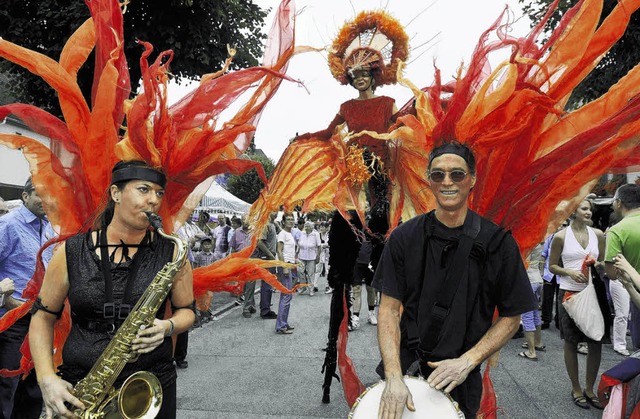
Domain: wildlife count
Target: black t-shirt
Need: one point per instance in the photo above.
(497, 279)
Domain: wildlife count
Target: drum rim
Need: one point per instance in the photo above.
(406, 377)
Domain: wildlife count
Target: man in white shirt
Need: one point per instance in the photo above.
(286, 250)
(220, 237)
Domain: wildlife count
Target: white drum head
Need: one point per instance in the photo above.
(429, 402)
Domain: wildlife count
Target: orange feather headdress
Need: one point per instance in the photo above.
(373, 40)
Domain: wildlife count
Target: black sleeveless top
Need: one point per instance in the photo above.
(87, 297)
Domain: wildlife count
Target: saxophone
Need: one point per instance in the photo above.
(140, 396)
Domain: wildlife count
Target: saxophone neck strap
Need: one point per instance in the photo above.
(111, 311)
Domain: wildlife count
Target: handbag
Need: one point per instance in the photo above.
(583, 308)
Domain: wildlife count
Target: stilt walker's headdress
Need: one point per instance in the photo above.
(372, 41)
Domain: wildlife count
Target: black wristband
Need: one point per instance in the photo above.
(191, 306)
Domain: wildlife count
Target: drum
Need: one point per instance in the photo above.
(429, 402)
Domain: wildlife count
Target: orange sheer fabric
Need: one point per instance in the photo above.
(72, 174)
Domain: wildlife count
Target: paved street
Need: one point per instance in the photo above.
(239, 368)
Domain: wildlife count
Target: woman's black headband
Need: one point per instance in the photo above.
(139, 173)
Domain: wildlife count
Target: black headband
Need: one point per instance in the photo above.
(452, 148)
(139, 173)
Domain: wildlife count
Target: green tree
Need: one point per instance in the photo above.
(248, 185)
(198, 32)
(621, 58)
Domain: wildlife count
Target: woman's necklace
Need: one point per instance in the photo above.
(581, 235)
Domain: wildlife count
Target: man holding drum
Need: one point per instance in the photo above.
(448, 270)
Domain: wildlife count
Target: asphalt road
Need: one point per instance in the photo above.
(239, 368)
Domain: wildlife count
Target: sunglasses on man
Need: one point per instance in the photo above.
(456, 176)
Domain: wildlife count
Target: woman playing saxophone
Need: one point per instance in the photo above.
(103, 273)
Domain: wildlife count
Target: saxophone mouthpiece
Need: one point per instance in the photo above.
(155, 220)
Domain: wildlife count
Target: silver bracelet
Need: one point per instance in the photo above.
(170, 328)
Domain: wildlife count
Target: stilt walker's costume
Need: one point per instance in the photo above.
(535, 160)
(377, 44)
(182, 140)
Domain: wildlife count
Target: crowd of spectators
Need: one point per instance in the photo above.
(555, 268)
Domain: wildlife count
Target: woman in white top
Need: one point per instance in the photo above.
(569, 249)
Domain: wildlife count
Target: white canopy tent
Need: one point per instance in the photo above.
(218, 200)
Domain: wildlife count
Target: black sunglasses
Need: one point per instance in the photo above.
(455, 175)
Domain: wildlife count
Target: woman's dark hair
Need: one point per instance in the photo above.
(105, 217)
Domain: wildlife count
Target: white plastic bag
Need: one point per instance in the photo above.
(584, 310)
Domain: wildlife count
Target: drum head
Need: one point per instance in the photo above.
(429, 402)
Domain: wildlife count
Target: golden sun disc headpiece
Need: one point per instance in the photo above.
(372, 41)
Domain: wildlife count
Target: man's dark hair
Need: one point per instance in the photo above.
(629, 195)
(287, 215)
(456, 148)
(28, 186)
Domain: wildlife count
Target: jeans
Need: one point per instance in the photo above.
(549, 292)
(249, 295)
(13, 389)
(266, 291)
(531, 319)
(285, 300)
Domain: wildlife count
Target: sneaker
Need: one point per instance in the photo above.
(182, 364)
(355, 322)
(312, 292)
(328, 290)
(372, 318)
(289, 327)
(623, 351)
(284, 332)
(252, 310)
(315, 289)
(246, 314)
(269, 315)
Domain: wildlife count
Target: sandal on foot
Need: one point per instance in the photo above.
(593, 401)
(524, 354)
(541, 348)
(580, 401)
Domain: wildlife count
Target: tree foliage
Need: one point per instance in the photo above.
(197, 31)
(622, 57)
(248, 185)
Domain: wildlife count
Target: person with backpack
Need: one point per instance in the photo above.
(449, 269)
